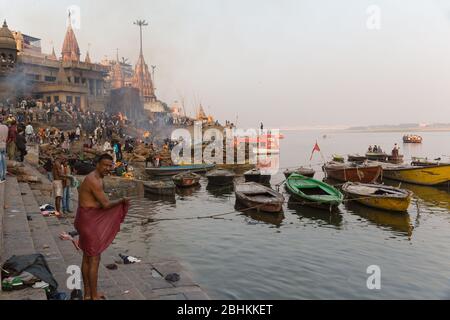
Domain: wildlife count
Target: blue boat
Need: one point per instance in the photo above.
(173, 170)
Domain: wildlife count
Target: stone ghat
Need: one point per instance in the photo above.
(23, 230)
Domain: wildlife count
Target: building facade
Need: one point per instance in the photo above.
(66, 80)
(8, 62)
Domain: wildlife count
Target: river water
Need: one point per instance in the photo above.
(305, 253)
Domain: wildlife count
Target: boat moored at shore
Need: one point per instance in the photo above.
(379, 196)
(427, 175)
(262, 198)
(353, 172)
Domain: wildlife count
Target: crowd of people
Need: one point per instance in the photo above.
(64, 126)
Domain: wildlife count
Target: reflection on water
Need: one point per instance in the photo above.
(398, 222)
(433, 196)
(333, 218)
(160, 197)
(188, 191)
(265, 217)
(220, 191)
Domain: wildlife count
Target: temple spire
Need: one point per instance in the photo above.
(88, 58)
(53, 55)
(117, 78)
(70, 49)
(142, 78)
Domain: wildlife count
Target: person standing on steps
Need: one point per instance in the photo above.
(3, 138)
(11, 140)
(21, 144)
(48, 166)
(97, 221)
(67, 182)
(29, 132)
(57, 185)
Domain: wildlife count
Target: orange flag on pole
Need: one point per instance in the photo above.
(316, 148)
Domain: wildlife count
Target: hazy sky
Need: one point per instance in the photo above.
(288, 63)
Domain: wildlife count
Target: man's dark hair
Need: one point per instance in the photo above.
(105, 156)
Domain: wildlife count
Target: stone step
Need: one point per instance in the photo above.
(112, 282)
(140, 281)
(16, 232)
(17, 238)
(43, 241)
(147, 278)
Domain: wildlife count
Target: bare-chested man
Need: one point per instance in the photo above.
(98, 221)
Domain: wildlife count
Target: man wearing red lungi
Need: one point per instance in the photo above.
(97, 221)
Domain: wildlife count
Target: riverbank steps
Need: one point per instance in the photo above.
(24, 230)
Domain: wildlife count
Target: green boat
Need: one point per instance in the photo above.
(313, 192)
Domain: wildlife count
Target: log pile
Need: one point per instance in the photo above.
(139, 154)
(21, 172)
(165, 158)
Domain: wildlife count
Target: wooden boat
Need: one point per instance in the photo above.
(313, 192)
(416, 161)
(379, 196)
(377, 156)
(412, 138)
(307, 172)
(428, 175)
(255, 175)
(160, 187)
(220, 177)
(173, 170)
(238, 168)
(356, 158)
(252, 194)
(338, 158)
(395, 159)
(186, 179)
(352, 172)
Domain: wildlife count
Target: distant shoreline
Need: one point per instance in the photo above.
(372, 130)
(405, 130)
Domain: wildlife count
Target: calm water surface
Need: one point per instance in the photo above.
(305, 253)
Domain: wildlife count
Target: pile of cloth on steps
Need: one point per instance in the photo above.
(31, 270)
(47, 209)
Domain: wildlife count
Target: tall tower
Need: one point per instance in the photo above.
(70, 49)
(117, 77)
(88, 57)
(142, 78)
